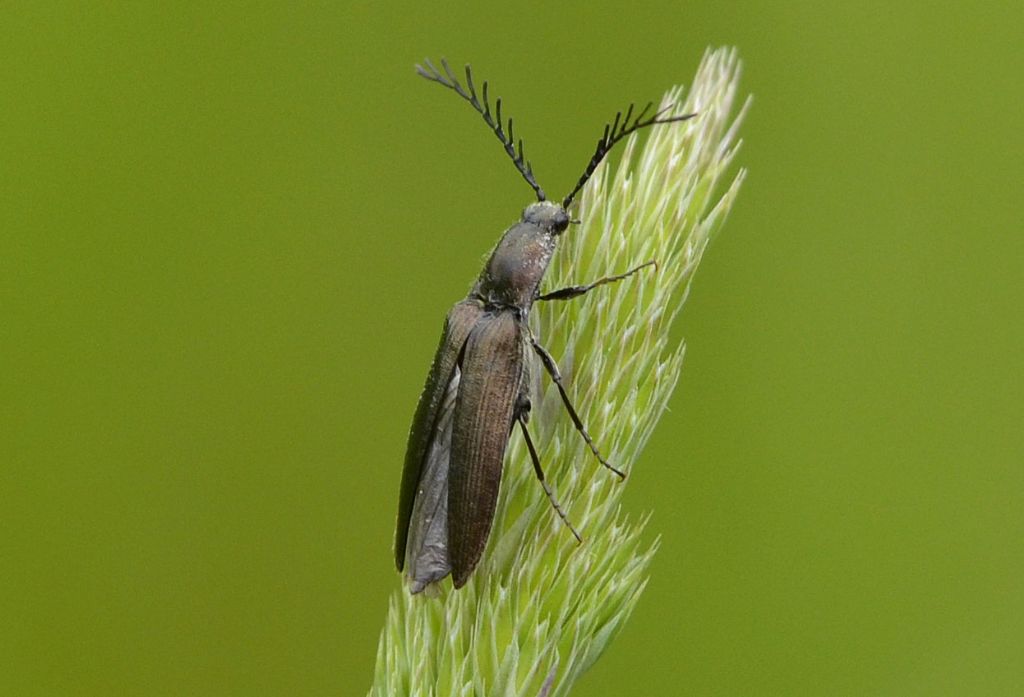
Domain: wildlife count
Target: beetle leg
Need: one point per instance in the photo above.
(523, 408)
(540, 476)
(556, 377)
(576, 291)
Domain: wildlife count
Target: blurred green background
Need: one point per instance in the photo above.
(228, 237)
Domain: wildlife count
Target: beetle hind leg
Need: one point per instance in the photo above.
(540, 476)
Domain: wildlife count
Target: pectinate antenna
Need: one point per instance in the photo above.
(483, 106)
(616, 131)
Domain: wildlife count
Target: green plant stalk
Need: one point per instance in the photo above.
(540, 609)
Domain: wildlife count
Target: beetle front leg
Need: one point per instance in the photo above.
(576, 291)
(556, 377)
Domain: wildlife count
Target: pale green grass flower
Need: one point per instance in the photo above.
(540, 609)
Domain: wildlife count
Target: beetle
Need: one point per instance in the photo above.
(477, 389)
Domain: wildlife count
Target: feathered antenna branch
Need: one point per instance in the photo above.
(613, 133)
(507, 139)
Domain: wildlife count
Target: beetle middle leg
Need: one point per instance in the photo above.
(576, 291)
(556, 377)
(540, 476)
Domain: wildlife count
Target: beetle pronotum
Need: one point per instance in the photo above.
(478, 386)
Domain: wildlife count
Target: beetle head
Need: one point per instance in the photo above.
(547, 215)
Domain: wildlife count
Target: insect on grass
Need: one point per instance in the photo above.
(477, 390)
